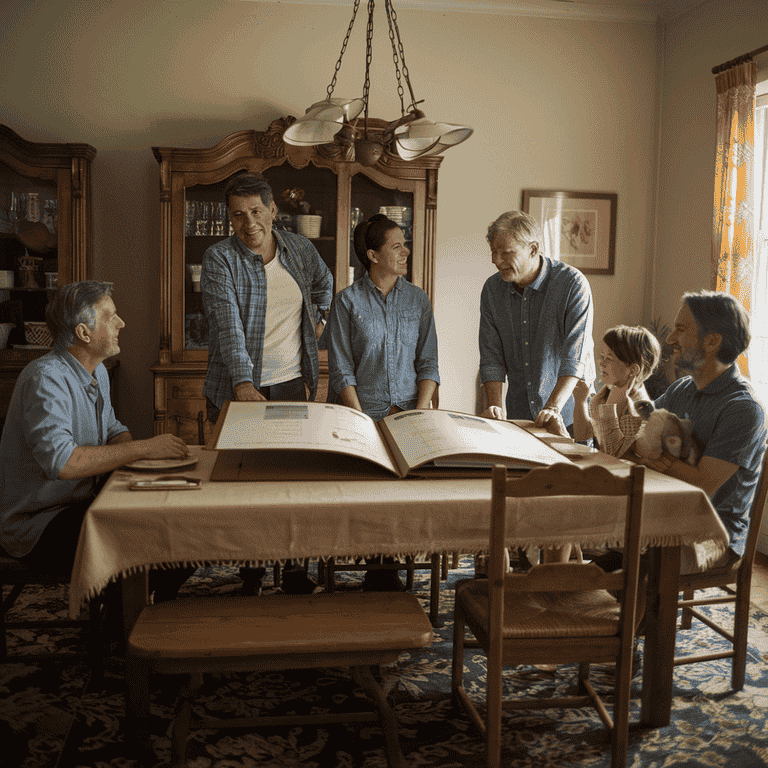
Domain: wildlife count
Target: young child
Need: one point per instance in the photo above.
(630, 355)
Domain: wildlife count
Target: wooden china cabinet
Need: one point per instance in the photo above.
(45, 230)
(193, 217)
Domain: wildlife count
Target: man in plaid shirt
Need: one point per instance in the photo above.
(262, 291)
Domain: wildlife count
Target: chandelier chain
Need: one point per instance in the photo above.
(368, 60)
(391, 14)
(332, 85)
(395, 57)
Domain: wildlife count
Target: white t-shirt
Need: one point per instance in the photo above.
(281, 356)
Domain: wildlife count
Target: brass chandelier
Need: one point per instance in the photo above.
(337, 120)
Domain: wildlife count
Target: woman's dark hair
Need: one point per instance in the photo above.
(633, 344)
(372, 234)
(249, 184)
(74, 304)
(718, 312)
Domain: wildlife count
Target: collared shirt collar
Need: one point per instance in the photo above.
(85, 378)
(546, 265)
(244, 250)
(371, 286)
(725, 379)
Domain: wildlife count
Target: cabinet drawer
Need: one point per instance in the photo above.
(184, 389)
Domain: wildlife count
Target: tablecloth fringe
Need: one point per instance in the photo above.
(706, 553)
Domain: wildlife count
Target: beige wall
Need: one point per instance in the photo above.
(564, 104)
(711, 34)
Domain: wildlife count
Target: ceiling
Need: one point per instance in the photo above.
(605, 10)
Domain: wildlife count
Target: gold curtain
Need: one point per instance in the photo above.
(733, 256)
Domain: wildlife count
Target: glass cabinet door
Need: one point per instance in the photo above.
(29, 263)
(369, 198)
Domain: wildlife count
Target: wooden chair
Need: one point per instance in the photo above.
(558, 613)
(736, 581)
(17, 575)
(437, 566)
(197, 635)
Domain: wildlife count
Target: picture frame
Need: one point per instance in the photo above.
(579, 227)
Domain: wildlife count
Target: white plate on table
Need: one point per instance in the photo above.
(161, 465)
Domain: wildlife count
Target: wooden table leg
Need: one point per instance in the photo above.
(135, 598)
(660, 635)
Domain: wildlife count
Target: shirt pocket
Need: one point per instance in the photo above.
(408, 323)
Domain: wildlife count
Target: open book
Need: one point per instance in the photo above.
(275, 440)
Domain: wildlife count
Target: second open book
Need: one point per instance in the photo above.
(275, 440)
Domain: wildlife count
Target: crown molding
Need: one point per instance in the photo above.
(644, 11)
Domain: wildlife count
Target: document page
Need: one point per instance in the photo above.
(457, 439)
(261, 425)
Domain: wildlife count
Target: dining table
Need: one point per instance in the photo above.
(125, 532)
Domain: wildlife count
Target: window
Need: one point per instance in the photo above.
(758, 354)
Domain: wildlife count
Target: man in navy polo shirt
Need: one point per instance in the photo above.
(711, 331)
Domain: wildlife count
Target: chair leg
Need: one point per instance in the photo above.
(493, 707)
(457, 662)
(365, 679)
(410, 572)
(182, 720)
(96, 637)
(7, 604)
(330, 571)
(620, 730)
(137, 707)
(444, 568)
(740, 635)
(685, 619)
(434, 590)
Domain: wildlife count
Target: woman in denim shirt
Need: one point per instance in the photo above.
(382, 343)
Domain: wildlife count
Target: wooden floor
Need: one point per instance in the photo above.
(760, 582)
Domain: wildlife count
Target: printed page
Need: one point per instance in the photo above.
(302, 426)
(457, 439)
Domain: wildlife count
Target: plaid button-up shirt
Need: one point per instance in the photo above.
(234, 288)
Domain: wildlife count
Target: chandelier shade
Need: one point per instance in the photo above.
(423, 137)
(322, 121)
(410, 136)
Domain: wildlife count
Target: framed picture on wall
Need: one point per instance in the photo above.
(579, 227)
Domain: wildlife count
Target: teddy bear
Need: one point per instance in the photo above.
(664, 431)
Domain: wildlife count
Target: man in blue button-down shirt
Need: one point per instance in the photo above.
(61, 435)
(535, 327)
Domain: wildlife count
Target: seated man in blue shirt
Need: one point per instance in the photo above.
(535, 327)
(711, 331)
(61, 436)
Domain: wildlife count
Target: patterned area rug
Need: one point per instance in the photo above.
(52, 716)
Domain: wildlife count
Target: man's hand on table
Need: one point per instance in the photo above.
(164, 447)
(493, 412)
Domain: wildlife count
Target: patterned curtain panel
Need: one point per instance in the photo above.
(733, 257)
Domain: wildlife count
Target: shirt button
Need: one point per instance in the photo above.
(526, 364)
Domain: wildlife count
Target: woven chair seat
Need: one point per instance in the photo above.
(547, 614)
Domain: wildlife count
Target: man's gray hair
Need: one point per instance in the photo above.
(73, 304)
(522, 226)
